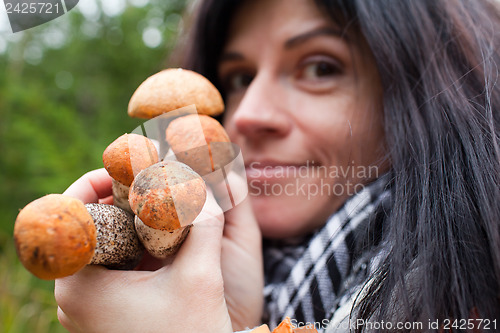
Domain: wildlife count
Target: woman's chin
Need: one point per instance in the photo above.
(285, 217)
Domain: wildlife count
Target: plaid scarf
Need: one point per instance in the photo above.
(307, 277)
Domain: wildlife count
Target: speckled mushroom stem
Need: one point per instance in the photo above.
(118, 246)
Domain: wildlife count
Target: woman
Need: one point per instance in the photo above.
(317, 93)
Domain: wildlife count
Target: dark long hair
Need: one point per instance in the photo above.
(438, 63)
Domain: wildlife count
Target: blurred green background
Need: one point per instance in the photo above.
(64, 91)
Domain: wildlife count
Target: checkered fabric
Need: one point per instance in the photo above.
(307, 277)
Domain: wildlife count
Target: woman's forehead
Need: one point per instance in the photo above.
(279, 18)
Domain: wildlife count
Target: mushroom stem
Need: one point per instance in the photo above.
(120, 196)
(160, 243)
(118, 246)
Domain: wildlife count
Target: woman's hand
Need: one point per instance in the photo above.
(185, 296)
(188, 295)
(242, 267)
(93, 187)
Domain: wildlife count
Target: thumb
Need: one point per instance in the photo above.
(203, 244)
(242, 225)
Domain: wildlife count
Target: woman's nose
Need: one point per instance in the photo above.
(262, 111)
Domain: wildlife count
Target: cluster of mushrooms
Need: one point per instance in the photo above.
(156, 198)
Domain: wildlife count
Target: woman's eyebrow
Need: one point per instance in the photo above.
(231, 56)
(290, 43)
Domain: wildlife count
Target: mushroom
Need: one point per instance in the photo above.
(166, 197)
(201, 142)
(55, 236)
(173, 89)
(118, 246)
(284, 327)
(123, 159)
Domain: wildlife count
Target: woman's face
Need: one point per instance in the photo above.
(304, 104)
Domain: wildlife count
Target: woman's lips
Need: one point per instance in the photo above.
(276, 170)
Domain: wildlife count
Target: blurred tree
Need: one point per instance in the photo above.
(64, 91)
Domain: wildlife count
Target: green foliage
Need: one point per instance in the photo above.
(58, 112)
(26, 303)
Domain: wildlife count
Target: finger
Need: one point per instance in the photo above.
(203, 244)
(242, 232)
(210, 209)
(238, 187)
(90, 280)
(84, 280)
(150, 263)
(243, 213)
(108, 200)
(242, 223)
(95, 297)
(240, 219)
(91, 187)
(229, 189)
(66, 322)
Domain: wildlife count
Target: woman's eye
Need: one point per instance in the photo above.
(237, 81)
(319, 69)
(318, 74)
